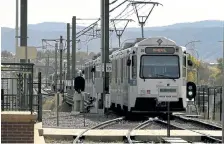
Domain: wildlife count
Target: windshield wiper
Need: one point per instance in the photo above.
(166, 76)
(143, 77)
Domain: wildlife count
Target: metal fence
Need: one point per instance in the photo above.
(209, 102)
(18, 91)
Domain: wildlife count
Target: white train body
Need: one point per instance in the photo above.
(157, 66)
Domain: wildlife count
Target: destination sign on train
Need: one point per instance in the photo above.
(167, 50)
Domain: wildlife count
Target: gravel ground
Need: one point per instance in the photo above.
(216, 123)
(73, 120)
(188, 125)
(155, 125)
(123, 125)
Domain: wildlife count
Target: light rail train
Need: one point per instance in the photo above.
(145, 74)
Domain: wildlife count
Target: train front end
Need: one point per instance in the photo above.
(160, 76)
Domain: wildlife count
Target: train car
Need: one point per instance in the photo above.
(143, 75)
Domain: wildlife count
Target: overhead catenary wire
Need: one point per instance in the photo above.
(87, 29)
(131, 12)
(113, 2)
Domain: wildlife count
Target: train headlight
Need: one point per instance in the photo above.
(142, 92)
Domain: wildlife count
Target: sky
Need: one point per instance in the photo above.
(172, 11)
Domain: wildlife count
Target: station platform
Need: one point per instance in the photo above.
(112, 134)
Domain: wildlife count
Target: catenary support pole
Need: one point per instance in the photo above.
(102, 48)
(106, 47)
(23, 26)
(73, 47)
(17, 25)
(23, 42)
(68, 52)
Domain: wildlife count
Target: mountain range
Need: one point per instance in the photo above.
(209, 32)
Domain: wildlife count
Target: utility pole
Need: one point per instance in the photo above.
(68, 52)
(119, 32)
(73, 47)
(61, 49)
(142, 19)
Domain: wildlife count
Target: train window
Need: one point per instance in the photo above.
(86, 70)
(87, 73)
(113, 69)
(184, 71)
(128, 70)
(116, 71)
(184, 60)
(90, 73)
(122, 70)
(134, 66)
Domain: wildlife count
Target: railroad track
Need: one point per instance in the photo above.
(129, 138)
(79, 138)
(206, 137)
(198, 124)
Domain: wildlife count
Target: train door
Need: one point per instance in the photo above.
(119, 81)
(133, 81)
(116, 81)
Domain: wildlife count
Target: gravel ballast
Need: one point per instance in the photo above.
(71, 120)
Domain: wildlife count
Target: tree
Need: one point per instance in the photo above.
(191, 76)
(220, 64)
(192, 71)
(219, 74)
(5, 53)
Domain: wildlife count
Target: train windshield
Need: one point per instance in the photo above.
(159, 67)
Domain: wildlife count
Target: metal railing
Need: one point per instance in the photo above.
(18, 89)
(209, 102)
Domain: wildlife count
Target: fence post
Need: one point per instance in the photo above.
(221, 91)
(214, 104)
(208, 107)
(199, 99)
(2, 98)
(203, 100)
(30, 96)
(57, 108)
(39, 98)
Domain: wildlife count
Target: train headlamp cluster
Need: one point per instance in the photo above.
(191, 90)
